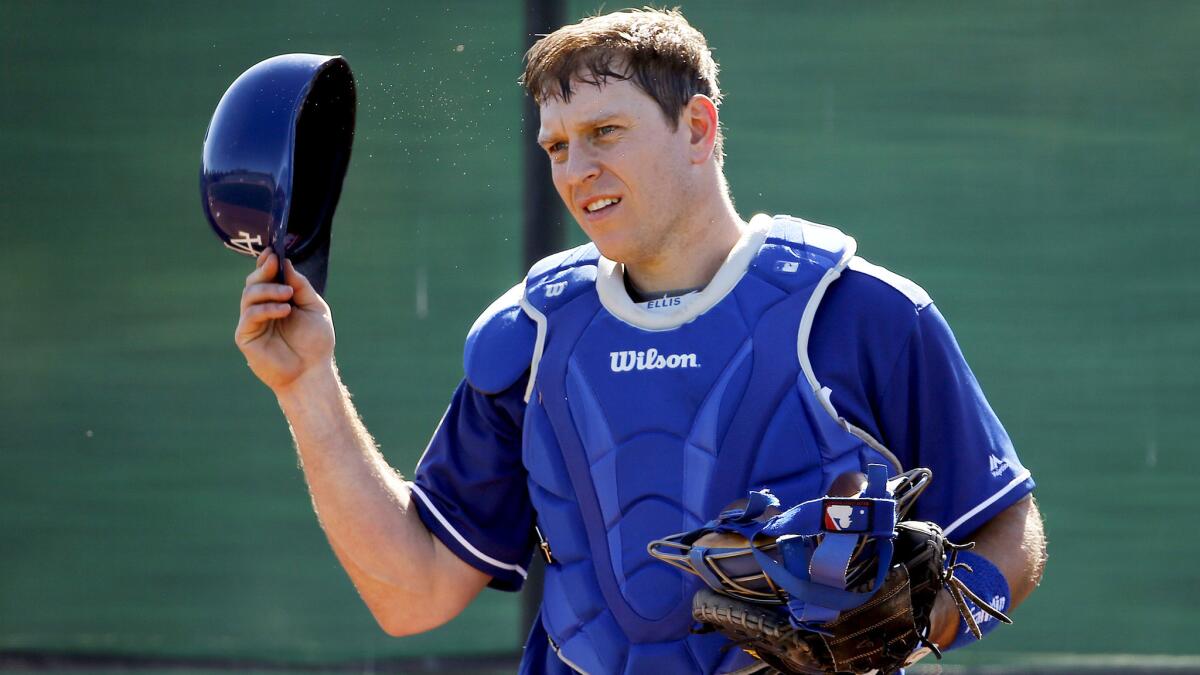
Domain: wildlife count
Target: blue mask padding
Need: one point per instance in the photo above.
(814, 577)
(756, 505)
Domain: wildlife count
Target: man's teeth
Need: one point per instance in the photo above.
(601, 203)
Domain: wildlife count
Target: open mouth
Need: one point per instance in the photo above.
(602, 204)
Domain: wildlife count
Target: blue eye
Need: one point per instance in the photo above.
(605, 130)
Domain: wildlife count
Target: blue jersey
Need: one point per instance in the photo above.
(612, 422)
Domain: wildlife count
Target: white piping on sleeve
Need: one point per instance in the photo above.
(538, 345)
(1021, 478)
(462, 540)
(915, 294)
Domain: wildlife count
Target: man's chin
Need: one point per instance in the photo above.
(607, 244)
(615, 253)
(618, 246)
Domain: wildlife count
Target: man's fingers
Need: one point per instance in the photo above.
(255, 318)
(270, 310)
(265, 292)
(305, 294)
(265, 268)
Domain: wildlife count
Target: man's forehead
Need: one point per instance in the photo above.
(591, 102)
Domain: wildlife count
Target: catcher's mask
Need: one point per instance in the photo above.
(274, 157)
(757, 553)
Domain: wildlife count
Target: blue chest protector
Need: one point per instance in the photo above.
(632, 433)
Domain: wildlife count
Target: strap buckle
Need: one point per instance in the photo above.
(544, 546)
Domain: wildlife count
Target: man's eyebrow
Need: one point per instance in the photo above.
(594, 121)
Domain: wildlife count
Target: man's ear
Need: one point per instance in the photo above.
(700, 117)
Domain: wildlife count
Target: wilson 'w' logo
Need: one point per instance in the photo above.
(650, 360)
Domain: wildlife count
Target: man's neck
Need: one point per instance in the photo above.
(691, 260)
(638, 296)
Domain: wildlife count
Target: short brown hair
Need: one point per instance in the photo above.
(655, 48)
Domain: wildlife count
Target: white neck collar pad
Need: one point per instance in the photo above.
(610, 284)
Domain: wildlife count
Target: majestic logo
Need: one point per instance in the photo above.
(998, 466)
(245, 243)
(650, 360)
(554, 290)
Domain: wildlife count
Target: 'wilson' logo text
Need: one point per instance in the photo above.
(650, 360)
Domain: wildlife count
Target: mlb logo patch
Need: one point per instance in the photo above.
(847, 515)
(787, 266)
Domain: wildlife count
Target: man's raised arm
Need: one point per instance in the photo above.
(410, 581)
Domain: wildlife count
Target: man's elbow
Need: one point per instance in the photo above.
(396, 625)
(415, 602)
(1033, 543)
(408, 611)
(403, 616)
(1015, 541)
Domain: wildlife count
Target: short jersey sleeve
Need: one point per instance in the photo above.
(934, 412)
(907, 383)
(470, 485)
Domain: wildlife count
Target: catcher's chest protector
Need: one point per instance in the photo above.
(631, 434)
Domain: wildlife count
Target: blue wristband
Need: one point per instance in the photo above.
(986, 581)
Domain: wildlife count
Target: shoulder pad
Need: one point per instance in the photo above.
(573, 257)
(800, 233)
(560, 278)
(499, 345)
(797, 254)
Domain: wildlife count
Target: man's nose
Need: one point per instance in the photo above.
(582, 166)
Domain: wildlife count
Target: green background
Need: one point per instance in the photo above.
(1034, 165)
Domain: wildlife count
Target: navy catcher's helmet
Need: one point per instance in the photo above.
(274, 158)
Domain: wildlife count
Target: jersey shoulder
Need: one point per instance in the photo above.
(874, 305)
(863, 329)
(499, 346)
(869, 294)
(885, 284)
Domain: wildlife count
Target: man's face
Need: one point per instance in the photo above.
(621, 169)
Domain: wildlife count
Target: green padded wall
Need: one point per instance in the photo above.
(1034, 165)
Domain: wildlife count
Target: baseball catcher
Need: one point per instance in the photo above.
(633, 386)
(839, 584)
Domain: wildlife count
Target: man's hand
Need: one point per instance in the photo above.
(282, 340)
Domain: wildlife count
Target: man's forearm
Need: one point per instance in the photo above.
(406, 577)
(1014, 541)
(362, 503)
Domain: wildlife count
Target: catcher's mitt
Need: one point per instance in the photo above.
(833, 585)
